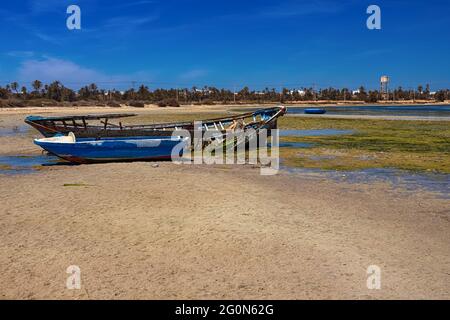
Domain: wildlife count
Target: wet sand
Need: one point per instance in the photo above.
(206, 232)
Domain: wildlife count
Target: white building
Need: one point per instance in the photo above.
(300, 92)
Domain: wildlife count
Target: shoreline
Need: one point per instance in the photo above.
(199, 108)
(371, 117)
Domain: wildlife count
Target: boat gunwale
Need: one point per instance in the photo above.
(39, 121)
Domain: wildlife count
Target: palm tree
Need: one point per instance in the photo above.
(15, 86)
(36, 85)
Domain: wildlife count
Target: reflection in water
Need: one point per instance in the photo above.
(25, 163)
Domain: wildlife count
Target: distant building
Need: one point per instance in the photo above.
(384, 87)
(300, 92)
(355, 92)
(207, 91)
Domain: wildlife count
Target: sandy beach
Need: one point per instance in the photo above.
(140, 231)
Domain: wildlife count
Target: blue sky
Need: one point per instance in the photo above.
(226, 43)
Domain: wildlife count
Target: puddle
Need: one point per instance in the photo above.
(13, 131)
(313, 133)
(286, 144)
(410, 181)
(25, 163)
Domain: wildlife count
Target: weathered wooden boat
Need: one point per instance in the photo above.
(91, 150)
(314, 111)
(82, 127)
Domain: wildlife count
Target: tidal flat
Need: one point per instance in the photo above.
(140, 231)
(407, 145)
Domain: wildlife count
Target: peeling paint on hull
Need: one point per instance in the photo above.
(118, 149)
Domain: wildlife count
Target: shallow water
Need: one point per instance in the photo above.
(25, 163)
(287, 144)
(418, 110)
(410, 181)
(13, 131)
(283, 144)
(311, 133)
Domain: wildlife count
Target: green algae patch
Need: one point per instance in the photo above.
(409, 145)
(77, 185)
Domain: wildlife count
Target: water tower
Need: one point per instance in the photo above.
(384, 87)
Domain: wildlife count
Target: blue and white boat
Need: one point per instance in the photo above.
(88, 150)
(314, 111)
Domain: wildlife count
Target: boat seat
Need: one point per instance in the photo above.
(71, 135)
(70, 138)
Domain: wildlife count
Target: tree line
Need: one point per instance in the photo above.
(58, 92)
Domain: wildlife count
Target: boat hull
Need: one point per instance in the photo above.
(314, 111)
(114, 149)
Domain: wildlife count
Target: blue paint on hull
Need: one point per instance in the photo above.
(113, 149)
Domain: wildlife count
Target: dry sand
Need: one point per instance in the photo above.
(207, 232)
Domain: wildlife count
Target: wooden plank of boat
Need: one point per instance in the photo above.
(81, 117)
(48, 126)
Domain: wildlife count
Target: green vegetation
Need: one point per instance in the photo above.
(77, 185)
(55, 93)
(5, 167)
(410, 145)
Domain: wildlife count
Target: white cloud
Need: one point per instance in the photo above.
(43, 6)
(137, 3)
(73, 75)
(20, 54)
(193, 74)
(46, 37)
(302, 8)
(290, 9)
(129, 21)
